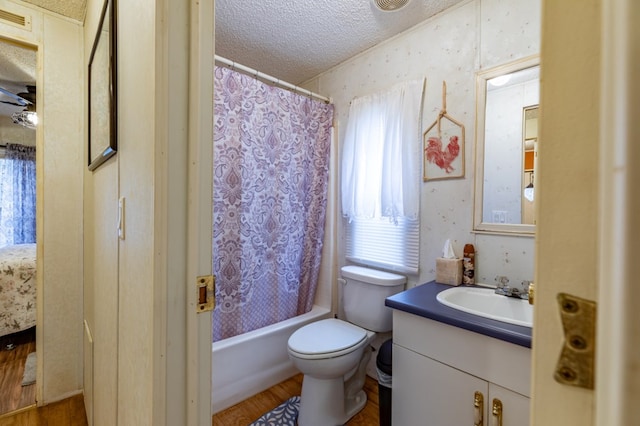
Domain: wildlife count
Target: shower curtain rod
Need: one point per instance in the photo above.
(274, 80)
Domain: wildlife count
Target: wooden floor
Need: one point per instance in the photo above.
(14, 396)
(250, 410)
(68, 412)
(71, 412)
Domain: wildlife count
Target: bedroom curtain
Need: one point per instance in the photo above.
(18, 195)
(271, 168)
(380, 158)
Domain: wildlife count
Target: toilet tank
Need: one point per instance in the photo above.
(363, 296)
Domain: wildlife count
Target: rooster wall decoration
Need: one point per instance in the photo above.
(443, 160)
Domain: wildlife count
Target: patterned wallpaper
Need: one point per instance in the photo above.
(451, 46)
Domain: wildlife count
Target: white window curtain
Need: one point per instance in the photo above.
(381, 155)
(381, 178)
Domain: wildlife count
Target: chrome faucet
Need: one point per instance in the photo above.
(504, 289)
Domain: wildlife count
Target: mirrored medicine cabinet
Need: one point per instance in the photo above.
(506, 147)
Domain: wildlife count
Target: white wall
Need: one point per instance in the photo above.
(451, 46)
(59, 191)
(62, 204)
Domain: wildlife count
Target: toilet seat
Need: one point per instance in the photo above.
(327, 338)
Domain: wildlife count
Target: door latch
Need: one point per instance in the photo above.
(576, 364)
(206, 297)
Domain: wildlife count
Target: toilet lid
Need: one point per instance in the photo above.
(326, 336)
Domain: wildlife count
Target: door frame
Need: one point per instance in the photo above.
(34, 41)
(8, 37)
(619, 207)
(200, 209)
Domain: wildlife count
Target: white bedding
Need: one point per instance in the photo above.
(17, 288)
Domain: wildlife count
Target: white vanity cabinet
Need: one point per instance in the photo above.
(438, 368)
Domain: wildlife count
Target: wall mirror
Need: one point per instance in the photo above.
(506, 147)
(102, 143)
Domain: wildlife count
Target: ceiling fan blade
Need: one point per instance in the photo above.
(19, 99)
(11, 103)
(29, 97)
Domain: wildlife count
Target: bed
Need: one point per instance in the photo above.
(17, 288)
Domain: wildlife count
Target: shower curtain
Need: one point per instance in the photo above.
(271, 167)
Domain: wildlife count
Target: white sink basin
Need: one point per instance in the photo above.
(485, 303)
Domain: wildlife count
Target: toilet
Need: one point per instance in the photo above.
(333, 354)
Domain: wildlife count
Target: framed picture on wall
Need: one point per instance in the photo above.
(102, 134)
(443, 150)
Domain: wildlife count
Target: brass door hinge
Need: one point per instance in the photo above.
(576, 364)
(206, 297)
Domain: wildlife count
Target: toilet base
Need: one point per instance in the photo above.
(334, 409)
(354, 405)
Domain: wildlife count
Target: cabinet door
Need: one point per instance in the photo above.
(427, 392)
(515, 407)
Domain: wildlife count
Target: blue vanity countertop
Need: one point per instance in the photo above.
(421, 301)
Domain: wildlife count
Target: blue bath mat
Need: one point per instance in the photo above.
(286, 414)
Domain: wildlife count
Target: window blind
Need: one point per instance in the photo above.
(383, 243)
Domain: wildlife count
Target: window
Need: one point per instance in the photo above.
(381, 178)
(383, 243)
(17, 195)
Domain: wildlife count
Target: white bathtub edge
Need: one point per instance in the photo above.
(272, 366)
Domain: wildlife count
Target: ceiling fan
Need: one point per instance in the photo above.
(23, 99)
(27, 116)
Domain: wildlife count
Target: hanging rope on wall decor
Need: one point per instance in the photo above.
(443, 154)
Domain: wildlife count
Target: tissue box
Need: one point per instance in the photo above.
(448, 271)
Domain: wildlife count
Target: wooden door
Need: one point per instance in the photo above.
(567, 205)
(588, 230)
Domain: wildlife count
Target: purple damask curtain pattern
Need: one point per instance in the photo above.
(271, 169)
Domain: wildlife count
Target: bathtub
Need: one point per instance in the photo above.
(252, 362)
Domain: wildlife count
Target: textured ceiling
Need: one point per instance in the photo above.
(298, 39)
(73, 9)
(293, 41)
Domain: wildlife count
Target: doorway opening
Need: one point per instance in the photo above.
(18, 120)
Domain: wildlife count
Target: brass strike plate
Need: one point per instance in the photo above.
(577, 360)
(206, 296)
